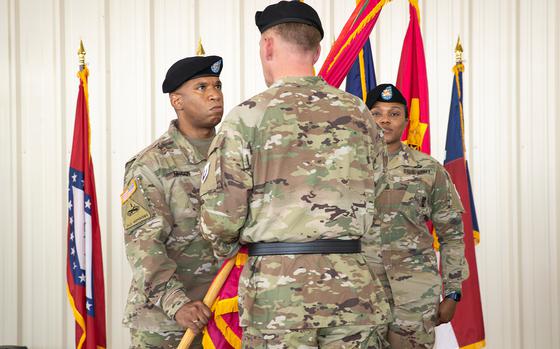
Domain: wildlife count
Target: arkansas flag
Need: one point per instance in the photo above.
(412, 81)
(466, 330)
(84, 270)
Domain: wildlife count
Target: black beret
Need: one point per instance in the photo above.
(388, 93)
(190, 68)
(288, 12)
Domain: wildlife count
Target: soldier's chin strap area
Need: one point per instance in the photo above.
(329, 246)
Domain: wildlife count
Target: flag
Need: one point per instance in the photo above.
(361, 77)
(84, 270)
(468, 324)
(350, 41)
(223, 330)
(412, 81)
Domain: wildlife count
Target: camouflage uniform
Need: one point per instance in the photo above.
(417, 189)
(170, 261)
(156, 340)
(297, 163)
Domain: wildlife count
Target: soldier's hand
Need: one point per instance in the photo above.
(193, 315)
(446, 310)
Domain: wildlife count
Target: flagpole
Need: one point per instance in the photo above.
(459, 51)
(209, 298)
(82, 56)
(200, 49)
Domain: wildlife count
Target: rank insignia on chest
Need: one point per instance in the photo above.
(205, 172)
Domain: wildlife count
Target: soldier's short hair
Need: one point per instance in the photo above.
(305, 36)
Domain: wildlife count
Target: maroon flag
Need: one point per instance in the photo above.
(84, 270)
(412, 81)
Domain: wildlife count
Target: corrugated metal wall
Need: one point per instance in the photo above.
(511, 102)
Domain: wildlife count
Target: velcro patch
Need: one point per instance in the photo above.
(411, 171)
(180, 174)
(129, 191)
(133, 214)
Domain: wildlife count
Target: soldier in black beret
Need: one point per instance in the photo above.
(387, 100)
(190, 68)
(417, 188)
(289, 178)
(172, 264)
(288, 12)
(290, 29)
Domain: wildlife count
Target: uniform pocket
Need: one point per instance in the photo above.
(412, 278)
(416, 202)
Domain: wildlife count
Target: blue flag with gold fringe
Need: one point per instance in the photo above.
(361, 77)
(468, 322)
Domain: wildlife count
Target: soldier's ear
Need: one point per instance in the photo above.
(267, 46)
(176, 101)
(317, 54)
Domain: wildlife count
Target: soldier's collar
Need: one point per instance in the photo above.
(192, 155)
(299, 80)
(403, 157)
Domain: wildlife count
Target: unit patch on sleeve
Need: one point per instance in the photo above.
(134, 206)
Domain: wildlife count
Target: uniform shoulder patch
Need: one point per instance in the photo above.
(134, 206)
(127, 193)
(133, 213)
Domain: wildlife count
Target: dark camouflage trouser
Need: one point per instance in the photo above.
(342, 337)
(158, 340)
(413, 325)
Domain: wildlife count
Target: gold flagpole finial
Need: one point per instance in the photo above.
(199, 49)
(459, 51)
(82, 55)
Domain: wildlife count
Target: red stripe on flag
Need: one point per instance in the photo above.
(350, 41)
(468, 322)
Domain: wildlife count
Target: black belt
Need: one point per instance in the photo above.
(311, 247)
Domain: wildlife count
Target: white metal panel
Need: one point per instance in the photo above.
(387, 40)
(174, 38)
(553, 98)
(131, 124)
(10, 269)
(538, 292)
(251, 65)
(496, 198)
(217, 18)
(43, 192)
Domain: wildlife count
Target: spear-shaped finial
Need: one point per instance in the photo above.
(199, 49)
(459, 51)
(82, 55)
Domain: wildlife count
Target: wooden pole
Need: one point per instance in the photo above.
(209, 299)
